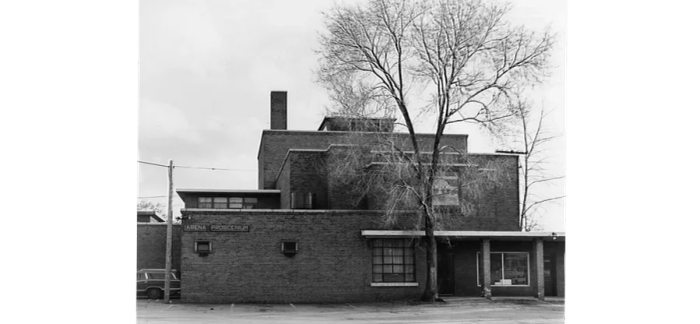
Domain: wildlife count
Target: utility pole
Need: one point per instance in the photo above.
(169, 234)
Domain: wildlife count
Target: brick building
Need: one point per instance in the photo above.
(302, 237)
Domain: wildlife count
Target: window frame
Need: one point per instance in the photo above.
(448, 176)
(408, 245)
(284, 251)
(305, 200)
(208, 202)
(196, 247)
(502, 253)
(200, 199)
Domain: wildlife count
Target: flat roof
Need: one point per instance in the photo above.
(465, 234)
(260, 191)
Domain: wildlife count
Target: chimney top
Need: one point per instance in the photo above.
(278, 110)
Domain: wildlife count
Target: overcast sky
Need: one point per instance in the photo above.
(207, 68)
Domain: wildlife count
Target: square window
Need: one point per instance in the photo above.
(235, 203)
(289, 247)
(203, 247)
(392, 260)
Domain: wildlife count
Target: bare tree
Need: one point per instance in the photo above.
(149, 205)
(458, 61)
(535, 170)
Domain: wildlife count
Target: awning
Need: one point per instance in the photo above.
(469, 235)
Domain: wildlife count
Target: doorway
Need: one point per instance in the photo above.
(445, 271)
(550, 275)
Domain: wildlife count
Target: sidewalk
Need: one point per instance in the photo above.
(453, 310)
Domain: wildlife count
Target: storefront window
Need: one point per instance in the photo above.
(507, 269)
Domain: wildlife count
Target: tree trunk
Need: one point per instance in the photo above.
(430, 293)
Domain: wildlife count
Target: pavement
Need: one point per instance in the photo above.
(453, 310)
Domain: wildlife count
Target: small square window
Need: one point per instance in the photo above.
(289, 247)
(203, 247)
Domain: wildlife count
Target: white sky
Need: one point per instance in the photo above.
(207, 68)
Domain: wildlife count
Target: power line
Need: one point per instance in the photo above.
(206, 168)
(151, 163)
(194, 167)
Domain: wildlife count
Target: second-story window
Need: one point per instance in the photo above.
(227, 202)
(220, 202)
(204, 202)
(303, 200)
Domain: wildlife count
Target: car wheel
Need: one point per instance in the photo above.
(153, 293)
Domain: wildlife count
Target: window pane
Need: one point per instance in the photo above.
(398, 268)
(378, 242)
(410, 277)
(235, 206)
(236, 200)
(202, 246)
(388, 252)
(515, 268)
(220, 202)
(409, 268)
(251, 200)
(387, 269)
(377, 269)
(156, 275)
(377, 251)
(394, 277)
(496, 266)
(377, 277)
(204, 202)
(398, 259)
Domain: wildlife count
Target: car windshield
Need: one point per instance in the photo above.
(156, 275)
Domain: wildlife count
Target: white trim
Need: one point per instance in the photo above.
(478, 284)
(394, 284)
(397, 234)
(262, 191)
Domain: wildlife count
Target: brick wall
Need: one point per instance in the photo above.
(150, 246)
(274, 145)
(333, 264)
(307, 175)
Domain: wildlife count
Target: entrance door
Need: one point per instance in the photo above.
(550, 275)
(445, 272)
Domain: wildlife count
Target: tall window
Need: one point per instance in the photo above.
(446, 189)
(393, 260)
(303, 201)
(507, 268)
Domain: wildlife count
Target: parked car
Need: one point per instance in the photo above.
(151, 283)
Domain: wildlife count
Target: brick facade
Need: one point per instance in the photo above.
(333, 264)
(334, 261)
(150, 246)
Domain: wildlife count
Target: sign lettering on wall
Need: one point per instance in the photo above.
(216, 228)
(229, 228)
(195, 228)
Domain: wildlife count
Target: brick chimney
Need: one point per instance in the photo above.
(278, 110)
